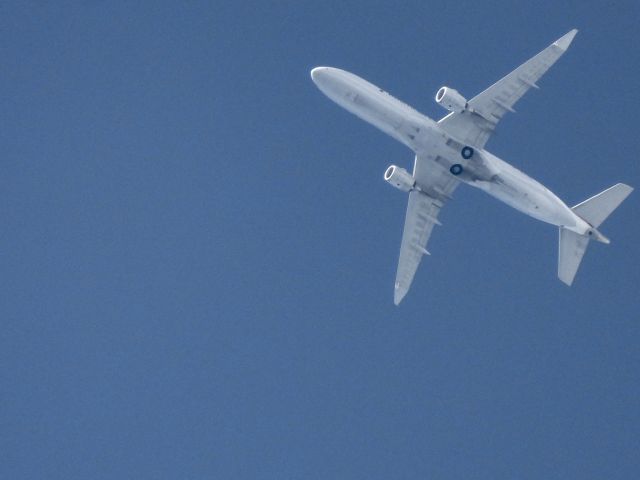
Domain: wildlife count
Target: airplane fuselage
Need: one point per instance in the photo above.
(425, 137)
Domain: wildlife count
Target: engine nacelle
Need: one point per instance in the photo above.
(399, 178)
(451, 99)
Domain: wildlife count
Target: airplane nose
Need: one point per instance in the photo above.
(317, 73)
(330, 81)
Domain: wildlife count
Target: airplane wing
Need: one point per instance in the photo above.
(436, 185)
(476, 123)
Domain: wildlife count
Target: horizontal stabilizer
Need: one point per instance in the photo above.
(571, 250)
(596, 209)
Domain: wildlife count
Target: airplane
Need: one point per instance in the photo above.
(451, 151)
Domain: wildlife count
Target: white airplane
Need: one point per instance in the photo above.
(451, 151)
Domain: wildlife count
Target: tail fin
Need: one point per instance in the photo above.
(571, 249)
(595, 210)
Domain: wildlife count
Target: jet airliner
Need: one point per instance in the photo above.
(451, 151)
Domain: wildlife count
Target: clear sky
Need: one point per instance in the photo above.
(198, 249)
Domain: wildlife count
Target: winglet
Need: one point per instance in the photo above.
(565, 41)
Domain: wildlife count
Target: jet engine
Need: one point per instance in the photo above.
(451, 99)
(399, 178)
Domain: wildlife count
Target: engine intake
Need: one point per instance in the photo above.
(399, 178)
(451, 99)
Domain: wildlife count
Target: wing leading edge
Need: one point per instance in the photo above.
(476, 123)
(435, 186)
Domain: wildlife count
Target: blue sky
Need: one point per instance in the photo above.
(198, 249)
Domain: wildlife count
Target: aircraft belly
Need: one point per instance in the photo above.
(377, 107)
(381, 111)
(375, 111)
(528, 196)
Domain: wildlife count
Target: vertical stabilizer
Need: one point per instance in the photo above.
(596, 209)
(572, 246)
